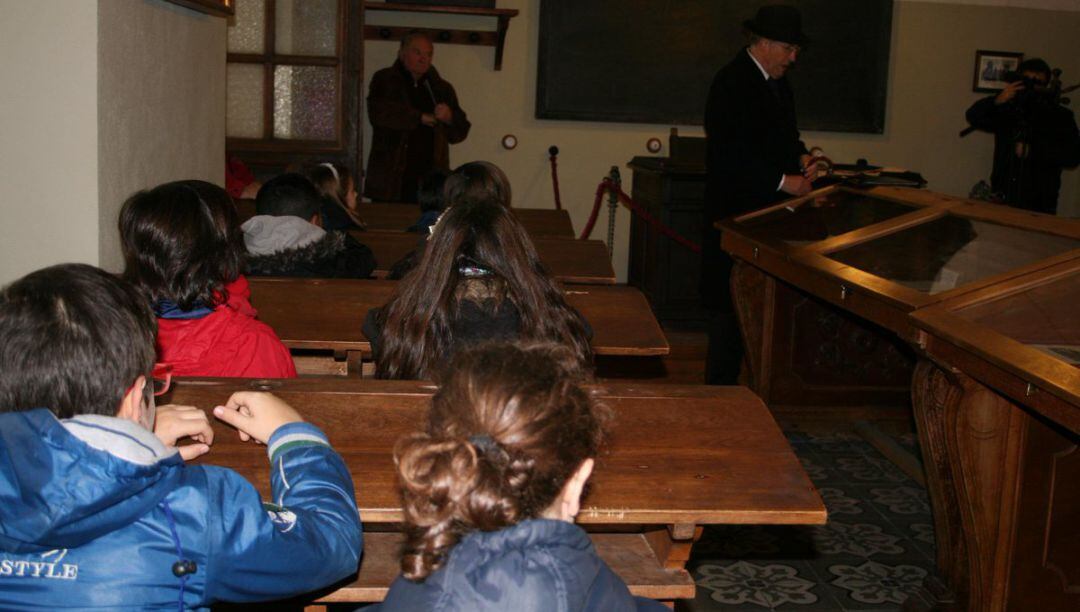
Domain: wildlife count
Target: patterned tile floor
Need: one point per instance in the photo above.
(876, 549)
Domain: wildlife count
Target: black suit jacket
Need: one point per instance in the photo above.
(752, 141)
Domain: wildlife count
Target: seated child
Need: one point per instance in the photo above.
(479, 279)
(97, 511)
(430, 196)
(335, 184)
(184, 250)
(490, 491)
(284, 238)
(478, 181)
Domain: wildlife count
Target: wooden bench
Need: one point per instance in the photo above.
(570, 261)
(679, 457)
(382, 216)
(326, 315)
(539, 222)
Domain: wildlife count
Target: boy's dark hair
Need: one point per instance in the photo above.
(73, 338)
(1034, 64)
(429, 193)
(182, 242)
(289, 194)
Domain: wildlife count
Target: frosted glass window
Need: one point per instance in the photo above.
(305, 102)
(306, 27)
(244, 101)
(248, 32)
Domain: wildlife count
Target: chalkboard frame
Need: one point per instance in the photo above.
(545, 109)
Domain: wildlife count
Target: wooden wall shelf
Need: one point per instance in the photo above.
(496, 38)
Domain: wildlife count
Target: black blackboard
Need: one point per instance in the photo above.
(652, 61)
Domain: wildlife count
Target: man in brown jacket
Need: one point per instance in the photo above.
(416, 117)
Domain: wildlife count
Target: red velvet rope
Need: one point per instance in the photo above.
(637, 209)
(600, 189)
(555, 180)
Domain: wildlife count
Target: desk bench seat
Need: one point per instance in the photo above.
(628, 554)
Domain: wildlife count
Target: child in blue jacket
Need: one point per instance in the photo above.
(490, 491)
(98, 510)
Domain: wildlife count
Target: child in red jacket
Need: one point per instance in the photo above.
(183, 248)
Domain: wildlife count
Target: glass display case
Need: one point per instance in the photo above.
(835, 212)
(950, 251)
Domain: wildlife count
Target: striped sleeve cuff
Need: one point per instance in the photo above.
(294, 435)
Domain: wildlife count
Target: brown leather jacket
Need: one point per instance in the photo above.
(392, 118)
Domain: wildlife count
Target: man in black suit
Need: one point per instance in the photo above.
(754, 159)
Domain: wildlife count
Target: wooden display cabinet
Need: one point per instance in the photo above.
(852, 265)
(985, 298)
(997, 404)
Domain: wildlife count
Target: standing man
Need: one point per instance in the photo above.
(754, 158)
(1035, 137)
(415, 116)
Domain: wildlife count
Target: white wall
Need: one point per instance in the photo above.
(48, 134)
(933, 52)
(161, 97)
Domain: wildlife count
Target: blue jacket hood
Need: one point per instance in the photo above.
(536, 565)
(65, 483)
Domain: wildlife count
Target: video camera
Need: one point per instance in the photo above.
(1035, 92)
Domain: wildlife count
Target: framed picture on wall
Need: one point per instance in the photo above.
(991, 68)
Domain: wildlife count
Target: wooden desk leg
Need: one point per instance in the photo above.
(971, 441)
(672, 545)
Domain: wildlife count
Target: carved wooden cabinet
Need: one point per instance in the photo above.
(673, 191)
(997, 401)
(986, 300)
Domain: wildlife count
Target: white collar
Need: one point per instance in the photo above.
(758, 64)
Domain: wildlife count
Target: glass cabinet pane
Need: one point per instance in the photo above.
(248, 30)
(819, 218)
(1046, 316)
(244, 101)
(951, 251)
(305, 102)
(306, 27)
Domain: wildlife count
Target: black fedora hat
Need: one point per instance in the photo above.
(778, 22)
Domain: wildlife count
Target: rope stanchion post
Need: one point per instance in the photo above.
(553, 157)
(613, 205)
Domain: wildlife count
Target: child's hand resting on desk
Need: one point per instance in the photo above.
(256, 415)
(174, 422)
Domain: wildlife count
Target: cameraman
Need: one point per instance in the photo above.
(1034, 138)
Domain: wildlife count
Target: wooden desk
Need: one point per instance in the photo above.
(539, 222)
(679, 457)
(327, 314)
(570, 261)
(381, 216)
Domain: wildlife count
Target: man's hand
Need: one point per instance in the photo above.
(1009, 92)
(443, 113)
(256, 415)
(428, 119)
(175, 422)
(796, 185)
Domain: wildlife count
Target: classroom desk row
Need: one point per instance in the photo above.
(393, 217)
(678, 457)
(327, 315)
(570, 261)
